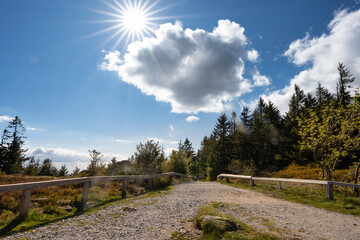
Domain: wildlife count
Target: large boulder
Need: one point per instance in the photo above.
(209, 223)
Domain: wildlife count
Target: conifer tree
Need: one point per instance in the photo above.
(345, 79)
(47, 168)
(12, 152)
(63, 171)
(245, 117)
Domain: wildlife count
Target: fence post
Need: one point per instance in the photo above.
(85, 194)
(227, 180)
(123, 188)
(251, 182)
(329, 190)
(149, 183)
(279, 185)
(25, 202)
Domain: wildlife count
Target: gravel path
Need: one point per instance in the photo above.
(157, 217)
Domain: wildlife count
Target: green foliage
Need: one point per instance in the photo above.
(63, 171)
(12, 153)
(331, 134)
(76, 171)
(47, 168)
(148, 158)
(321, 129)
(33, 167)
(113, 168)
(178, 162)
(96, 166)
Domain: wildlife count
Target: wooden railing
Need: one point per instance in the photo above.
(86, 181)
(329, 184)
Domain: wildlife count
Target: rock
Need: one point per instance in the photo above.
(67, 208)
(129, 209)
(64, 202)
(223, 224)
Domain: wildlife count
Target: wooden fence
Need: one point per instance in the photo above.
(329, 184)
(86, 181)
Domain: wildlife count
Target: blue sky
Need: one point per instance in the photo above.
(76, 92)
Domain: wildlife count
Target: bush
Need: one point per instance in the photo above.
(9, 202)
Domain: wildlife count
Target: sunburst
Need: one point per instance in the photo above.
(132, 20)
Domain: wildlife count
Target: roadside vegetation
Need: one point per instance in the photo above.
(345, 200)
(55, 203)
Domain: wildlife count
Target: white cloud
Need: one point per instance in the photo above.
(35, 129)
(122, 141)
(259, 80)
(168, 151)
(70, 158)
(5, 119)
(340, 44)
(193, 70)
(252, 55)
(154, 139)
(192, 119)
(172, 128)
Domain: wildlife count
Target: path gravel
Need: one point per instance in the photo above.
(157, 217)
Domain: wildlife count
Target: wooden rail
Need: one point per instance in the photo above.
(329, 184)
(86, 181)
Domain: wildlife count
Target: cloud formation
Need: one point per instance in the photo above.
(122, 141)
(70, 158)
(5, 119)
(193, 70)
(192, 119)
(340, 44)
(252, 55)
(171, 128)
(259, 80)
(35, 129)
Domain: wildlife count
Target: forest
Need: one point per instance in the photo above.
(320, 130)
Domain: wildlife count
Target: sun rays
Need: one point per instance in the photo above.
(130, 20)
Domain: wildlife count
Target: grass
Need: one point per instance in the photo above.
(309, 172)
(46, 202)
(213, 232)
(313, 195)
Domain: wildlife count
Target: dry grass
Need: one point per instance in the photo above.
(309, 172)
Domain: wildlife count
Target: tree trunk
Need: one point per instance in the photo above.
(328, 173)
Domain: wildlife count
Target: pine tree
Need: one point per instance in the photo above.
(63, 171)
(323, 96)
(76, 171)
(96, 166)
(32, 167)
(11, 150)
(345, 79)
(148, 158)
(47, 168)
(296, 105)
(222, 148)
(245, 117)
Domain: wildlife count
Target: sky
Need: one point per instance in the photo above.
(107, 75)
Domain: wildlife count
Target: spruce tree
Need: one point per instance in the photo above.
(345, 79)
(63, 171)
(12, 152)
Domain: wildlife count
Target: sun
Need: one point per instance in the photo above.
(130, 20)
(134, 20)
